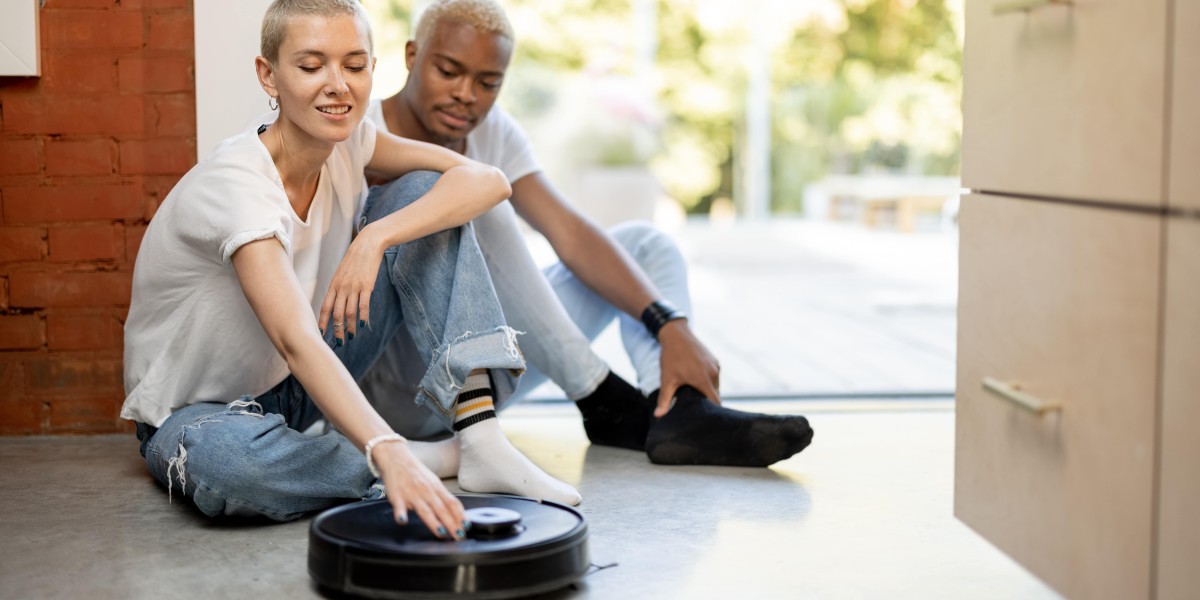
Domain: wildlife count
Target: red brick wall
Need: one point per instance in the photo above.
(87, 152)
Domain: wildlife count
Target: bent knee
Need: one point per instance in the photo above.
(227, 462)
(227, 449)
(421, 181)
(388, 198)
(643, 240)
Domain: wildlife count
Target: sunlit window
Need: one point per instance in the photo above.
(804, 153)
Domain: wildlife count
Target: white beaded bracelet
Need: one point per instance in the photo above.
(375, 441)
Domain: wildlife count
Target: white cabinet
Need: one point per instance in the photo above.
(1079, 289)
(1060, 303)
(1066, 101)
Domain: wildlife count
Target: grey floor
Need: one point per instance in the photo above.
(796, 308)
(865, 512)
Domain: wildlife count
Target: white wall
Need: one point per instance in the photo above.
(228, 96)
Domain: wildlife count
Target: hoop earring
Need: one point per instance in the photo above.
(273, 103)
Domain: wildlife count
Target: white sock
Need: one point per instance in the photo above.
(489, 462)
(440, 457)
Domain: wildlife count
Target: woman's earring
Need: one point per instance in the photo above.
(273, 103)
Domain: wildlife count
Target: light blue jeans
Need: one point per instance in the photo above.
(249, 457)
(557, 313)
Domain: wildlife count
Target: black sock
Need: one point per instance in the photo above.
(697, 431)
(616, 414)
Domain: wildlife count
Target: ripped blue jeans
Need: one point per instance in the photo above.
(249, 457)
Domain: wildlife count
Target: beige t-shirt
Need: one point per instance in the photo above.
(191, 335)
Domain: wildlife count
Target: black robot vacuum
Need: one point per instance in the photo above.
(516, 547)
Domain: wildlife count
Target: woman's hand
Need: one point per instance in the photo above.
(410, 485)
(265, 272)
(685, 361)
(348, 301)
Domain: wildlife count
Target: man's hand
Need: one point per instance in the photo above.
(685, 361)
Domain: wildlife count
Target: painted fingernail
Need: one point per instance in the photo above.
(442, 530)
(339, 342)
(351, 333)
(458, 533)
(466, 525)
(362, 323)
(402, 520)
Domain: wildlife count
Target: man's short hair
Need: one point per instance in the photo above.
(484, 15)
(274, 25)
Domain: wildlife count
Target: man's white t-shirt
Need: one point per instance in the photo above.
(497, 141)
(191, 335)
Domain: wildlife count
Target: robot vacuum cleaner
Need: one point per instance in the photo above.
(516, 547)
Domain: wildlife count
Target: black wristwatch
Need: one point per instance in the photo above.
(659, 313)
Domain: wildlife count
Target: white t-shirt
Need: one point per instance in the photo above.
(191, 335)
(497, 141)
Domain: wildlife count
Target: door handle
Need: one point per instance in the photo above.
(1012, 392)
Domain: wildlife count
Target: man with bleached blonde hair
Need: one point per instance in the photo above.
(634, 273)
(480, 14)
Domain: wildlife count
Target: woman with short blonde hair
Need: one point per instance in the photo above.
(265, 286)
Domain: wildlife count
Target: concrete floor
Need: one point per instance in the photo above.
(865, 512)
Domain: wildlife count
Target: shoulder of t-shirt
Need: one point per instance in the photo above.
(500, 126)
(499, 141)
(375, 113)
(241, 157)
(233, 193)
(236, 178)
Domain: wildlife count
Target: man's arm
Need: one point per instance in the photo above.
(607, 269)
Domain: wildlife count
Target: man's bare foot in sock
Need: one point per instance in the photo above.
(616, 414)
(697, 431)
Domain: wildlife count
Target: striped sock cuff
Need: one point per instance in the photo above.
(479, 417)
(472, 407)
(466, 408)
(473, 394)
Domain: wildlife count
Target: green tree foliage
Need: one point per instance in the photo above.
(856, 85)
(880, 92)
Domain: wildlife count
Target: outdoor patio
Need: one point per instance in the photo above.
(817, 309)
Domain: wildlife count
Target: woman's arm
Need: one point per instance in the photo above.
(266, 276)
(465, 190)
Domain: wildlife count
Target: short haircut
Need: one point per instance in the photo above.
(484, 15)
(275, 22)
